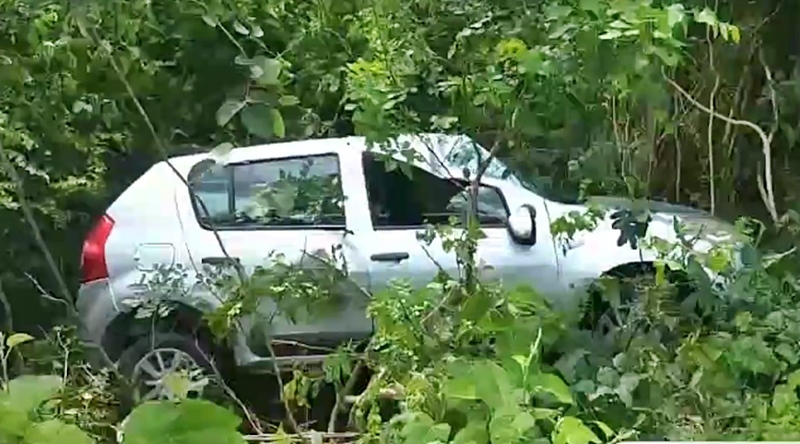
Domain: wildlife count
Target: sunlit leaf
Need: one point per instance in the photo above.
(611, 34)
(278, 126)
(571, 430)
(552, 384)
(707, 17)
(17, 339)
(288, 100)
(676, 13)
(187, 422)
(240, 28)
(56, 432)
(27, 392)
(210, 21)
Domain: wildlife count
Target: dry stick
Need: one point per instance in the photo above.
(9, 314)
(767, 191)
(712, 192)
(163, 151)
(340, 397)
(9, 327)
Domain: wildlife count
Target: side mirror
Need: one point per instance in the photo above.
(522, 225)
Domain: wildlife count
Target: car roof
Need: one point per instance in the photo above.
(431, 150)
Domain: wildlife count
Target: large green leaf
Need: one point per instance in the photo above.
(266, 71)
(257, 119)
(571, 430)
(421, 429)
(552, 384)
(492, 384)
(27, 392)
(510, 425)
(56, 432)
(13, 423)
(188, 422)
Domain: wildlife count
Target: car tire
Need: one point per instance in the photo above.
(160, 351)
(596, 314)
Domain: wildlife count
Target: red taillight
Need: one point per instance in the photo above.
(93, 257)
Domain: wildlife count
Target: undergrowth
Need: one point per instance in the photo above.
(494, 365)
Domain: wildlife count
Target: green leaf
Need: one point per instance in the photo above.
(17, 339)
(257, 120)
(676, 13)
(266, 71)
(611, 34)
(627, 384)
(461, 387)
(229, 109)
(552, 384)
(25, 393)
(736, 35)
(571, 430)
(278, 127)
(288, 100)
(189, 421)
(607, 432)
(708, 17)
(492, 384)
(420, 428)
(590, 5)
(240, 28)
(473, 433)
(210, 21)
(56, 432)
(510, 425)
(14, 423)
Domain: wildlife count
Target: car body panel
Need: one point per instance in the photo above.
(150, 230)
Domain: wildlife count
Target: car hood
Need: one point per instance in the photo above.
(658, 207)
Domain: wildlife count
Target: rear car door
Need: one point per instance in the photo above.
(287, 206)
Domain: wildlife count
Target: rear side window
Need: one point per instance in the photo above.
(291, 192)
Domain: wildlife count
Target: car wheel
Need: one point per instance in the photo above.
(149, 363)
(631, 302)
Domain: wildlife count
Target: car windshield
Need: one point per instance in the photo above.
(465, 154)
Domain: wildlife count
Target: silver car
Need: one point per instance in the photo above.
(156, 225)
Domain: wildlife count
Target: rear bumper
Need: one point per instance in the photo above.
(96, 309)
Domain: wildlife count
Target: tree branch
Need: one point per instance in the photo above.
(768, 194)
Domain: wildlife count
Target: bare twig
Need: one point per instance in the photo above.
(7, 311)
(712, 188)
(768, 194)
(341, 395)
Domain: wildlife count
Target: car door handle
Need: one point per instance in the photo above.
(389, 257)
(221, 260)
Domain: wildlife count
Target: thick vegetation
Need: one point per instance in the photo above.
(696, 102)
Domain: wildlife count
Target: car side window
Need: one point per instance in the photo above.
(397, 200)
(298, 191)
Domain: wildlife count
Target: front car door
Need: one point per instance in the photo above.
(402, 206)
(290, 208)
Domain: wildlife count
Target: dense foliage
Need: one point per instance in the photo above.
(695, 102)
